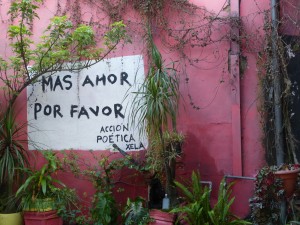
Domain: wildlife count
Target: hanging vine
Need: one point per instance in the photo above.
(179, 26)
(285, 52)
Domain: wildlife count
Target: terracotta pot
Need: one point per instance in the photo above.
(11, 219)
(289, 178)
(161, 217)
(42, 218)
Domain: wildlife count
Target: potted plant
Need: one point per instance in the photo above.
(288, 173)
(155, 156)
(155, 163)
(273, 185)
(41, 192)
(265, 203)
(161, 217)
(12, 157)
(154, 109)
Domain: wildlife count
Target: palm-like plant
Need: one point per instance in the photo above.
(154, 106)
(197, 209)
(13, 156)
(157, 98)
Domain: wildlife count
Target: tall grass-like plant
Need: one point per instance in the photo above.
(13, 156)
(155, 105)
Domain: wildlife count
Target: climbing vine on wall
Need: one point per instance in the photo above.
(207, 33)
(287, 48)
(179, 26)
(193, 27)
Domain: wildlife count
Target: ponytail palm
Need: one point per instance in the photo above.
(155, 105)
(157, 98)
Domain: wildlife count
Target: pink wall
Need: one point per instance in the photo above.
(290, 17)
(224, 135)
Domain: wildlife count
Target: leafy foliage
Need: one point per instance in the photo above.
(155, 156)
(196, 209)
(157, 98)
(41, 191)
(12, 157)
(40, 183)
(67, 204)
(135, 213)
(197, 199)
(154, 106)
(104, 210)
(220, 214)
(62, 47)
(265, 203)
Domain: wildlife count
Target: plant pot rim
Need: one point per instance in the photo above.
(41, 205)
(160, 215)
(10, 213)
(287, 171)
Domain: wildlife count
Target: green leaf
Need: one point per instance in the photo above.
(44, 185)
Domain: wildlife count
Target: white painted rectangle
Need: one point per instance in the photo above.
(86, 110)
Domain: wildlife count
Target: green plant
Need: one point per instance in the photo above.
(12, 157)
(40, 184)
(67, 205)
(155, 156)
(196, 202)
(154, 106)
(220, 214)
(265, 203)
(268, 194)
(62, 47)
(42, 192)
(135, 213)
(104, 210)
(196, 208)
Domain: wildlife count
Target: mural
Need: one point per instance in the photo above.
(86, 110)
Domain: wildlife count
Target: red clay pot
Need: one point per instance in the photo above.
(289, 178)
(161, 217)
(42, 218)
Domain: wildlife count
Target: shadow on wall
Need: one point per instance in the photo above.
(196, 157)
